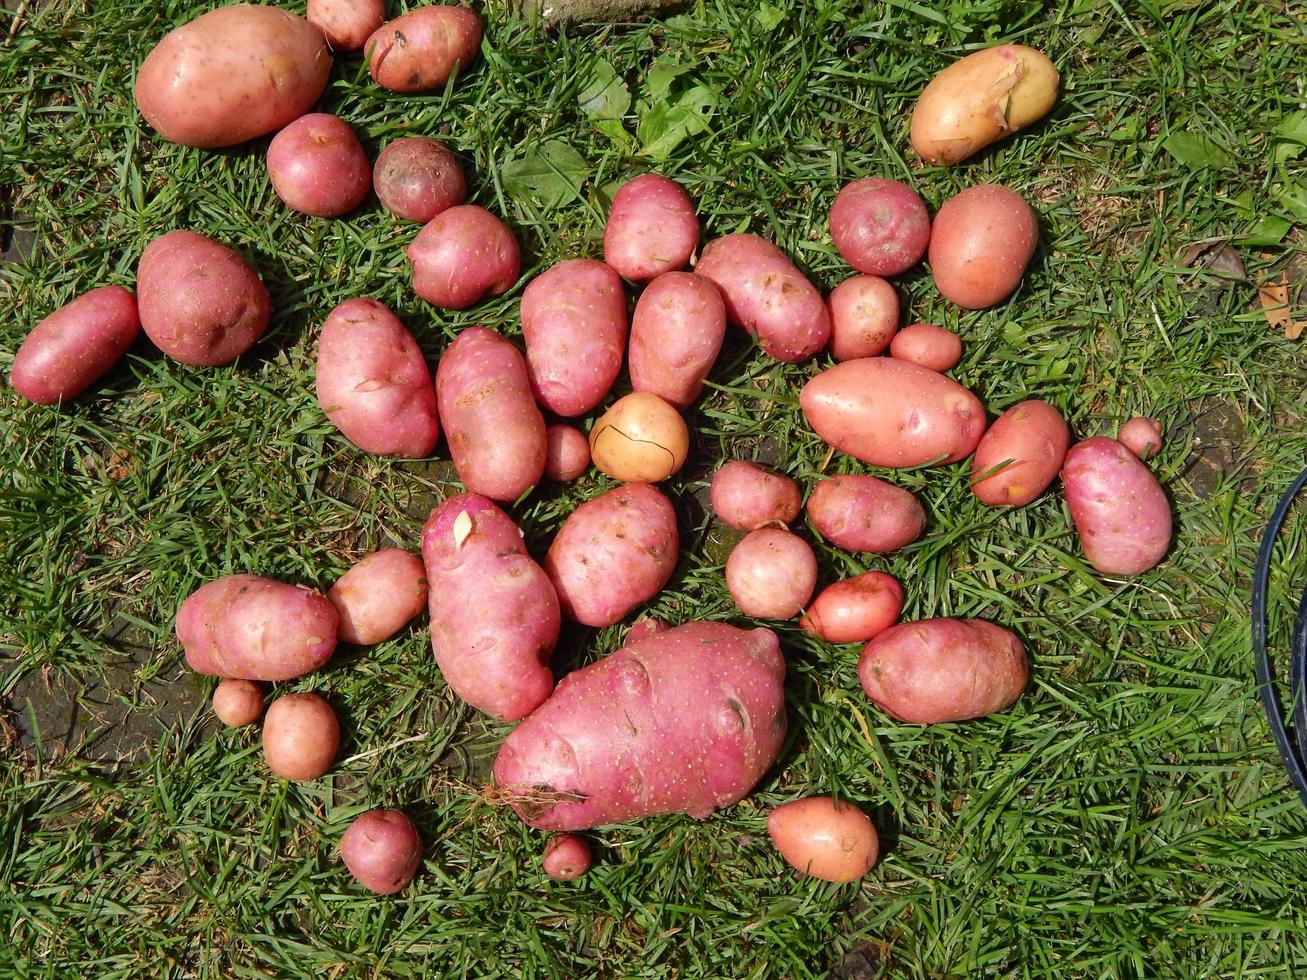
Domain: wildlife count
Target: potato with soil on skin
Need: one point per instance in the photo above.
(494, 612)
(676, 334)
(863, 513)
(200, 302)
(420, 51)
(75, 345)
(981, 243)
(890, 413)
(771, 574)
(496, 434)
(855, 609)
(317, 166)
(880, 226)
(640, 439)
(927, 345)
(745, 496)
(767, 296)
(683, 721)
(567, 453)
(231, 75)
(256, 628)
(1142, 436)
(373, 383)
(831, 840)
(301, 736)
(1020, 455)
(567, 857)
(382, 850)
(238, 702)
(1119, 509)
(939, 670)
(463, 255)
(417, 178)
(651, 229)
(379, 596)
(980, 99)
(346, 24)
(864, 314)
(613, 553)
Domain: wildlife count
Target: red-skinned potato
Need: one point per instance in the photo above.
(855, 609)
(1020, 455)
(231, 75)
(419, 51)
(771, 574)
(651, 228)
(890, 413)
(346, 24)
(1142, 436)
(237, 702)
(417, 178)
(379, 596)
(864, 314)
(567, 857)
(641, 628)
(823, 838)
(939, 670)
(640, 439)
(463, 255)
(980, 245)
(301, 736)
(928, 345)
(76, 344)
(862, 513)
(567, 453)
(317, 166)
(880, 226)
(382, 850)
(1119, 509)
(676, 334)
(745, 496)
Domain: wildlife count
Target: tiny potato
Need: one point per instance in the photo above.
(1120, 511)
(824, 838)
(640, 439)
(238, 702)
(567, 453)
(346, 24)
(982, 241)
(676, 334)
(1020, 455)
(771, 574)
(317, 166)
(420, 51)
(382, 850)
(880, 226)
(301, 736)
(567, 857)
(462, 255)
(745, 496)
(928, 345)
(855, 609)
(864, 314)
(67, 351)
(379, 595)
(1142, 436)
(863, 513)
(651, 229)
(416, 178)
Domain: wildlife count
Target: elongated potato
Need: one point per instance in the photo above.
(676, 334)
(928, 345)
(1020, 455)
(862, 513)
(1120, 510)
(745, 496)
(379, 595)
(651, 229)
(981, 243)
(419, 51)
(67, 351)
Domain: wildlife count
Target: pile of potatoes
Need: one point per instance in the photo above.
(682, 719)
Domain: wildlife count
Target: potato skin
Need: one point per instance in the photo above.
(301, 736)
(382, 850)
(890, 413)
(574, 325)
(745, 496)
(640, 439)
(75, 345)
(862, 513)
(864, 314)
(982, 241)
(880, 226)
(317, 166)
(771, 574)
(232, 74)
(494, 613)
(823, 838)
(379, 596)
(1029, 441)
(1119, 509)
(567, 453)
(496, 434)
(682, 721)
(200, 302)
(463, 255)
(928, 345)
(1142, 436)
(676, 334)
(237, 702)
(346, 24)
(856, 609)
(567, 857)
(373, 382)
(418, 51)
(612, 553)
(938, 670)
(416, 178)
(767, 295)
(982, 98)
(651, 229)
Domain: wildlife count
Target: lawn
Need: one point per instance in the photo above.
(1129, 817)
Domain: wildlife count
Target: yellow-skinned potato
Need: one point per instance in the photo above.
(980, 99)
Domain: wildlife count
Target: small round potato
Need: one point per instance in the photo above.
(928, 345)
(379, 595)
(823, 838)
(1020, 455)
(462, 255)
(300, 736)
(420, 51)
(856, 609)
(567, 453)
(880, 226)
(676, 334)
(982, 241)
(416, 178)
(1142, 436)
(746, 497)
(346, 24)
(640, 439)
(567, 857)
(317, 166)
(651, 228)
(238, 702)
(864, 313)
(863, 513)
(382, 850)
(771, 574)
(67, 351)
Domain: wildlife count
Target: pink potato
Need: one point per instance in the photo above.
(382, 850)
(494, 613)
(891, 413)
(256, 628)
(420, 51)
(373, 382)
(864, 313)
(379, 596)
(981, 243)
(1119, 509)
(641, 628)
(745, 496)
(463, 255)
(67, 351)
(927, 345)
(880, 226)
(651, 229)
(771, 574)
(417, 178)
(862, 513)
(567, 857)
(855, 609)
(238, 702)
(200, 302)
(676, 334)
(613, 553)
(683, 721)
(938, 670)
(301, 736)
(346, 24)
(767, 296)
(232, 74)
(496, 434)
(574, 325)
(1142, 436)
(827, 839)
(317, 166)
(567, 453)
(1020, 455)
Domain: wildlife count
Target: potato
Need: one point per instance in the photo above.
(567, 857)
(574, 325)
(416, 178)
(745, 496)
(1142, 436)
(891, 413)
(613, 553)
(676, 334)
(379, 596)
(880, 226)
(67, 351)
(767, 295)
(301, 736)
(640, 439)
(494, 613)
(567, 453)
(346, 24)
(862, 513)
(982, 241)
(824, 838)
(461, 256)
(855, 609)
(200, 302)
(1120, 511)
(864, 313)
(496, 434)
(231, 75)
(237, 702)
(938, 670)
(1020, 455)
(420, 51)
(979, 99)
(373, 382)
(645, 626)
(382, 850)
(256, 628)
(771, 574)
(651, 228)
(928, 345)
(317, 166)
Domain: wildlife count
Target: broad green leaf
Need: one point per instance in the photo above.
(606, 96)
(1194, 150)
(1293, 127)
(552, 176)
(664, 127)
(658, 83)
(1292, 196)
(1268, 230)
(768, 16)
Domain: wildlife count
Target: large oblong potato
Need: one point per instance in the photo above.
(676, 334)
(1119, 509)
(74, 345)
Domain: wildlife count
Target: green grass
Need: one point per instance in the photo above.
(1127, 818)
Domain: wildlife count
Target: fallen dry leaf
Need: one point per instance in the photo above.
(1216, 254)
(1275, 305)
